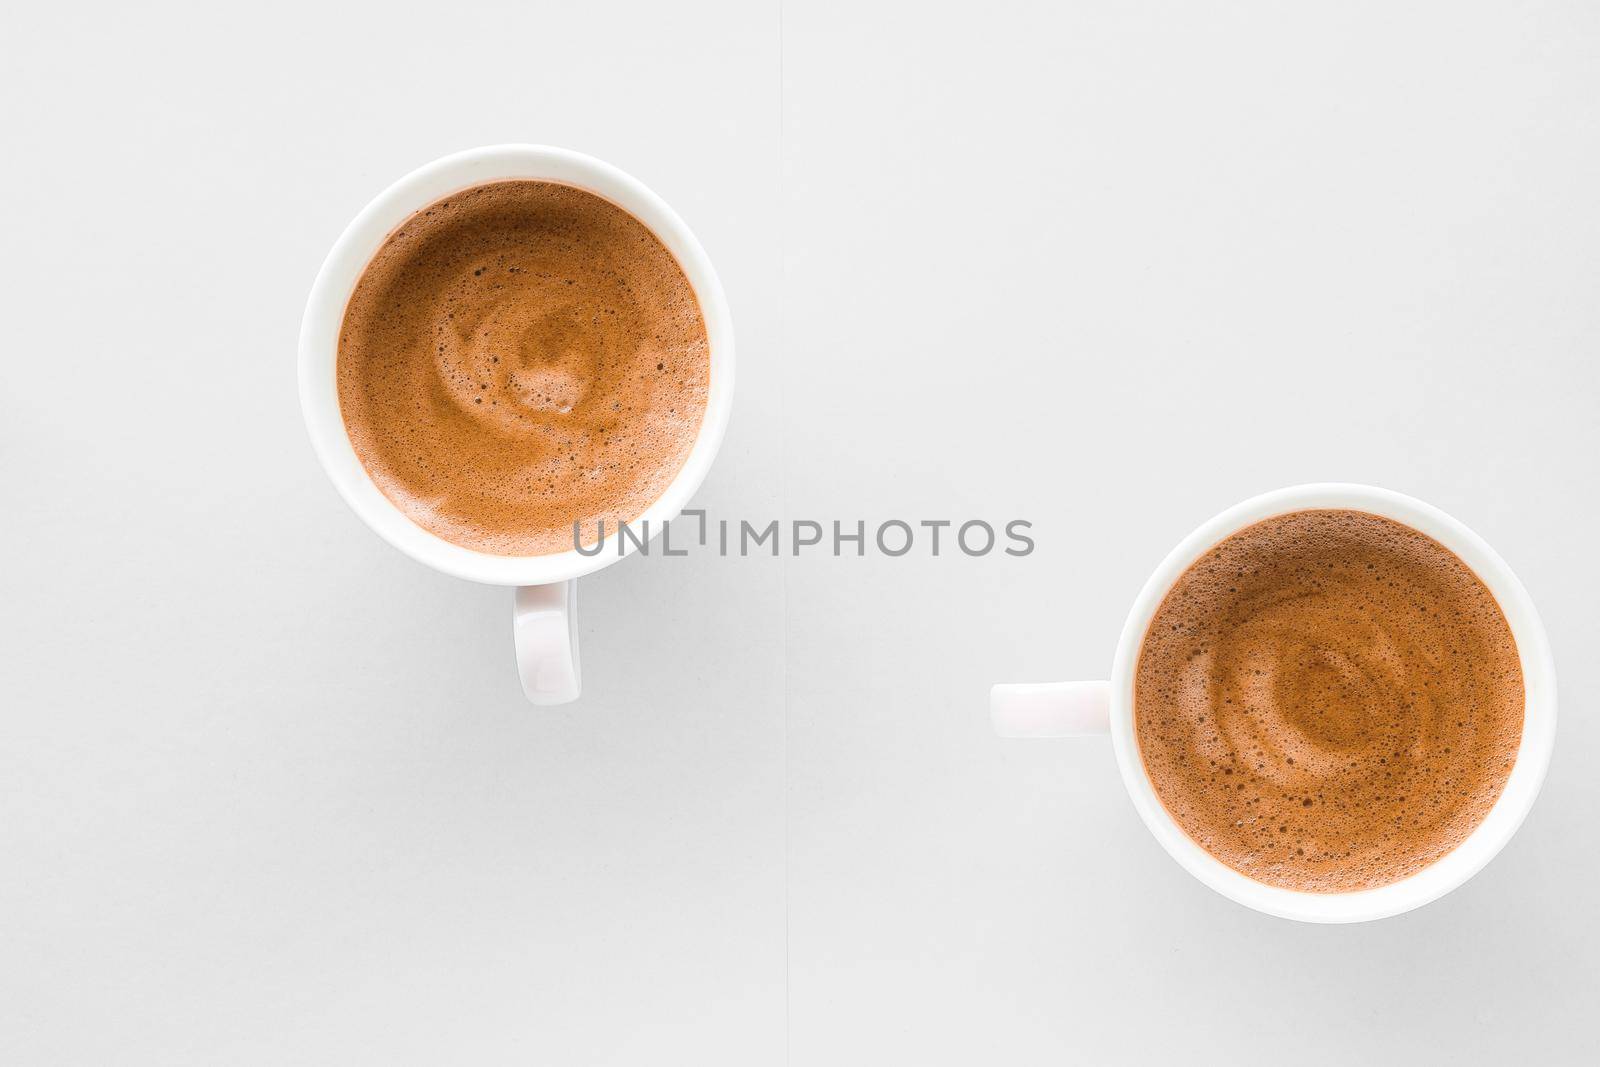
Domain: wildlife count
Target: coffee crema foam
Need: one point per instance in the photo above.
(519, 357)
(1328, 701)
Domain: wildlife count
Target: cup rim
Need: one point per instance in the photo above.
(348, 258)
(1503, 819)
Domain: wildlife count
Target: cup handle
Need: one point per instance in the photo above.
(1051, 709)
(544, 625)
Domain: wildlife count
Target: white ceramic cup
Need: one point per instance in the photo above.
(544, 623)
(1070, 709)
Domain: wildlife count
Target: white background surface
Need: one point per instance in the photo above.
(268, 791)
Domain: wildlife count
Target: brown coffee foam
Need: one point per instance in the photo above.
(518, 357)
(1328, 701)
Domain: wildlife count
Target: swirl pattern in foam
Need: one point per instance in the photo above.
(1328, 701)
(519, 357)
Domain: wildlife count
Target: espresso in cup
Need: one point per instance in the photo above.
(1328, 701)
(520, 357)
